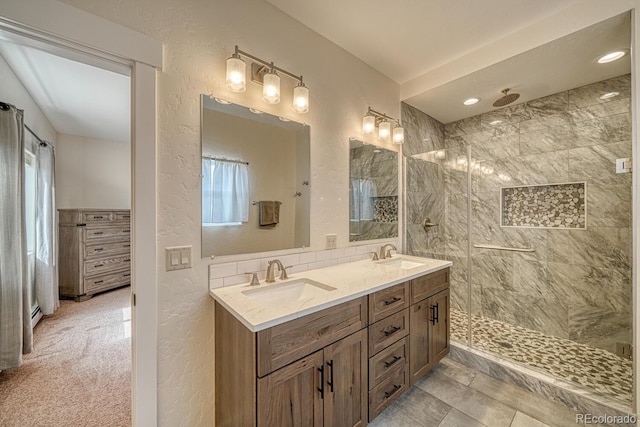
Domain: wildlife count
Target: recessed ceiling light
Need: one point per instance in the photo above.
(471, 101)
(609, 95)
(610, 57)
(495, 122)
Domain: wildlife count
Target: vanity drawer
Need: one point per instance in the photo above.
(388, 330)
(425, 286)
(108, 281)
(106, 249)
(388, 361)
(97, 216)
(388, 301)
(107, 233)
(107, 264)
(282, 344)
(387, 392)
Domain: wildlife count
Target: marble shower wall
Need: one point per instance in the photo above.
(379, 167)
(577, 283)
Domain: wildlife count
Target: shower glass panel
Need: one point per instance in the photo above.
(550, 283)
(30, 214)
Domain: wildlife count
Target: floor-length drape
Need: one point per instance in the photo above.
(15, 300)
(46, 274)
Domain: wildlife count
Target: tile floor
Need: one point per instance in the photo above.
(452, 395)
(595, 369)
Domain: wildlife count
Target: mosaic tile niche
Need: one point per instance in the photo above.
(386, 209)
(547, 206)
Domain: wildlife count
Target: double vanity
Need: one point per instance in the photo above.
(328, 347)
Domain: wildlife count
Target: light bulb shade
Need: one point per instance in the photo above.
(301, 99)
(236, 74)
(398, 135)
(384, 131)
(368, 124)
(271, 88)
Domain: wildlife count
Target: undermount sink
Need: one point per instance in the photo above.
(290, 291)
(401, 263)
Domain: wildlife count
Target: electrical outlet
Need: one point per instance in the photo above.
(332, 241)
(178, 258)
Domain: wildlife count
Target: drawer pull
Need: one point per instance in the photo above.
(127, 260)
(126, 231)
(98, 265)
(388, 394)
(391, 331)
(98, 281)
(127, 275)
(97, 233)
(434, 314)
(98, 217)
(392, 362)
(321, 389)
(126, 216)
(126, 246)
(98, 249)
(330, 382)
(392, 300)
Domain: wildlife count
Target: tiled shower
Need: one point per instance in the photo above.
(543, 181)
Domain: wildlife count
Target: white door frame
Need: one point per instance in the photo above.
(62, 27)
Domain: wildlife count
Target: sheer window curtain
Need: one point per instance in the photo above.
(46, 274)
(225, 192)
(15, 300)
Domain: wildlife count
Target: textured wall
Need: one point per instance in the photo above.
(577, 283)
(92, 173)
(198, 36)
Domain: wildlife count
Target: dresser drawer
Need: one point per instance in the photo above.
(282, 344)
(387, 392)
(107, 248)
(388, 361)
(107, 264)
(388, 301)
(122, 216)
(425, 286)
(106, 233)
(388, 330)
(97, 217)
(107, 281)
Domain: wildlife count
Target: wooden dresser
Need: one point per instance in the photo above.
(94, 251)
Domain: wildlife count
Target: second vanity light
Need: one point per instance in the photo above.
(266, 73)
(373, 118)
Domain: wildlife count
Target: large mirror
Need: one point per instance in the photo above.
(373, 192)
(255, 180)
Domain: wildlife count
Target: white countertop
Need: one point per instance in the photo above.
(351, 280)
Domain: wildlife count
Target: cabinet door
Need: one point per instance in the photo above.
(292, 396)
(439, 312)
(345, 403)
(419, 340)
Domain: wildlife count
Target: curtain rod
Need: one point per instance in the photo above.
(222, 159)
(5, 106)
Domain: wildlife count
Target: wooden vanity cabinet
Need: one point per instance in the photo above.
(311, 371)
(429, 324)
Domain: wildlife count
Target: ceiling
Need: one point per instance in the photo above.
(77, 99)
(417, 39)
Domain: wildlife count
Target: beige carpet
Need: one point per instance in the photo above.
(79, 373)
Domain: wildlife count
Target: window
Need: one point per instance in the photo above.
(225, 189)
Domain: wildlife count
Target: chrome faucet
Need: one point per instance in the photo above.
(387, 254)
(270, 274)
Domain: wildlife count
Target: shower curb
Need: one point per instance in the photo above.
(560, 391)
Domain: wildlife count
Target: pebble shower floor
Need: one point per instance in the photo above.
(596, 369)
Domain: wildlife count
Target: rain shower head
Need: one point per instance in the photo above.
(506, 99)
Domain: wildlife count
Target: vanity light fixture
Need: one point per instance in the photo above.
(373, 118)
(609, 95)
(265, 73)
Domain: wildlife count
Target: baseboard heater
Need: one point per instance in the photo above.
(36, 315)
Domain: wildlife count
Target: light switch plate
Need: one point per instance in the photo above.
(178, 258)
(332, 241)
(623, 165)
